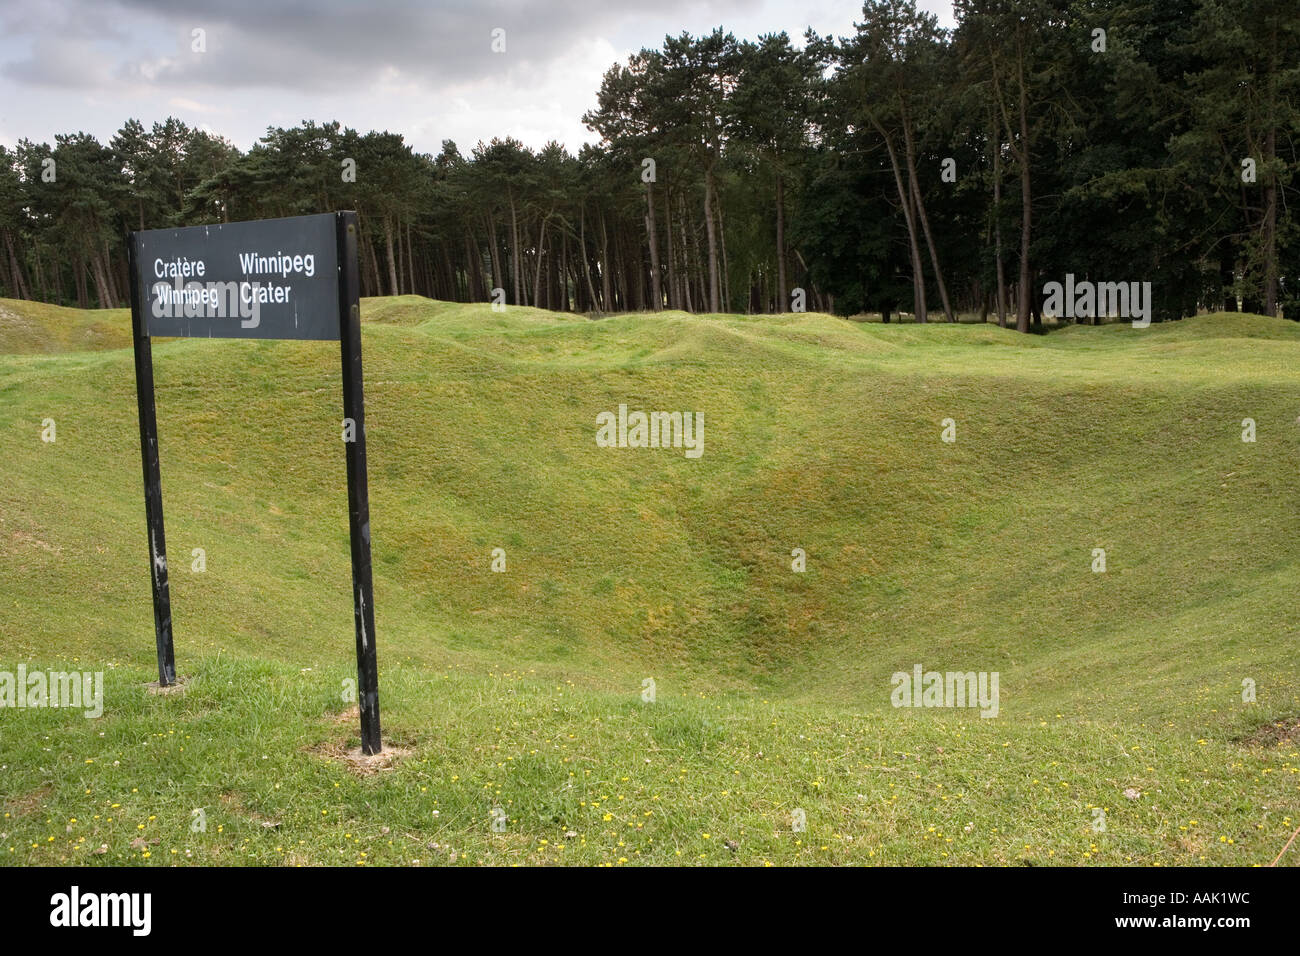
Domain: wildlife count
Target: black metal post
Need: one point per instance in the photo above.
(153, 509)
(358, 493)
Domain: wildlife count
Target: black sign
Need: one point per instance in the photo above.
(272, 279)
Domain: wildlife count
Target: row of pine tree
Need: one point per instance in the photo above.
(902, 169)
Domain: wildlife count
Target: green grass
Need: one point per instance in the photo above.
(522, 690)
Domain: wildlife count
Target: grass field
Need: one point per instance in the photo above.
(522, 691)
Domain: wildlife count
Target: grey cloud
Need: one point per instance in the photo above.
(336, 45)
(69, 64)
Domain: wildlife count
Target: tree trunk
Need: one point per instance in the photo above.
(592, 305)
(1228, 279)
(997, 226)
(1270, 224)
(541, 258)
(782, 293)
(562, 285)
(656, 289)
(41, 280)
(687, 301)
(403, 279)
(514, 254)
(452, 290)
(722, 245)
(715, 304)
(674, 293)
(103, 295)
(498, 278)
(392, 261)
(410, 262)
(79, 282)
(925, 220)
(918, 278)
(607, 292)
(23, 290)
(1027, 209)
(377, 287)
(115, 292)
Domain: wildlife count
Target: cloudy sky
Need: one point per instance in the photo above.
(424, 69)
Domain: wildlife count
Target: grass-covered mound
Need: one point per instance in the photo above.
(523, 690)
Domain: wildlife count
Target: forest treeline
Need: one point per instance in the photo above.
(904, 168)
